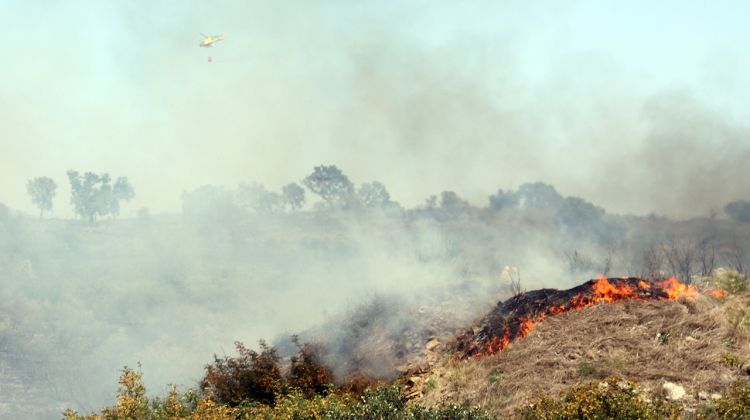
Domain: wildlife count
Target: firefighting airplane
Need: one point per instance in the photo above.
(211, 40)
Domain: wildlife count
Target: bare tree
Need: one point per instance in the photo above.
(707, 257)
(513, 274)
(653, 262)
(736, 257)
(578, 263)
(681, 258)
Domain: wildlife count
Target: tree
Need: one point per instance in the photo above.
(538, 195)
(92, 195)
(257, 198)
(652, 262)
(681, 257)
(581, 217)
(453, 205)
(578, 263)
(121, 191)
(83, 192)
(430, 203)
(739, 211)
(707, 256)
(42, 190)
(294, 195)
(209, 202)
(373, 195)
(331, 185)
(503, 200)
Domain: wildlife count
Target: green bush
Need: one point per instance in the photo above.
(307, 372)
(389, 402)
(735, 404)
(384, 403)
(251, 376)
(728, 280)
(611, 399)
(588, 369)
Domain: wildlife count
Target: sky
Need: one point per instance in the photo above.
(637, 107)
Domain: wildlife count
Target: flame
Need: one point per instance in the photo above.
(675, 289)
(526, 325)
(718, 294)
(498, 344)
(602, 290)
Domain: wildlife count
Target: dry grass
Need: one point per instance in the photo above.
(647, 342)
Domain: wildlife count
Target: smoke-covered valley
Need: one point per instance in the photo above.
(356, 271)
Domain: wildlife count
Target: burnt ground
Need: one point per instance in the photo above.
(516, 316)
(700, 343)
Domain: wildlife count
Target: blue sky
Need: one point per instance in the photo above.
(467, 96)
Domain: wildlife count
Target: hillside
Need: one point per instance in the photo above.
(699, 343)
(617, 348)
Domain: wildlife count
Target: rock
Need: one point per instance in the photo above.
(715, 396)
(703, 395)
(432, 344)
(674, 392)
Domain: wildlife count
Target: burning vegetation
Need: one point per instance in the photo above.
(517, 316)
(699, 343)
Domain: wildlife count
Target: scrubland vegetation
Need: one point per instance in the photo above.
(344, 266)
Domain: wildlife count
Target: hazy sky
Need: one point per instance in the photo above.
(633, 105)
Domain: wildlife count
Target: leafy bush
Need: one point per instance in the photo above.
(379, 403)
(728, 280)
(132, 403)
(735, 404)
(494, 376)
(588, 369)
(607, 400)
(307, 372)
(389, 402)
(251, 376)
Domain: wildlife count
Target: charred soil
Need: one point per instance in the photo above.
(650, 332)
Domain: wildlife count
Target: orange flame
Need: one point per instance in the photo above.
(526, 325)
(718, 294)
(603, 291)
(675, 289)
(498, 344)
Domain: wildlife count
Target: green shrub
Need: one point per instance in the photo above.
(307, 372)
(386, 403)
(588, 370)
(430, 384)
(728, 280)
(389, 402)
(612, 399)
(251, 376)
(494, 376)
(735, 403)
(731, 361)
